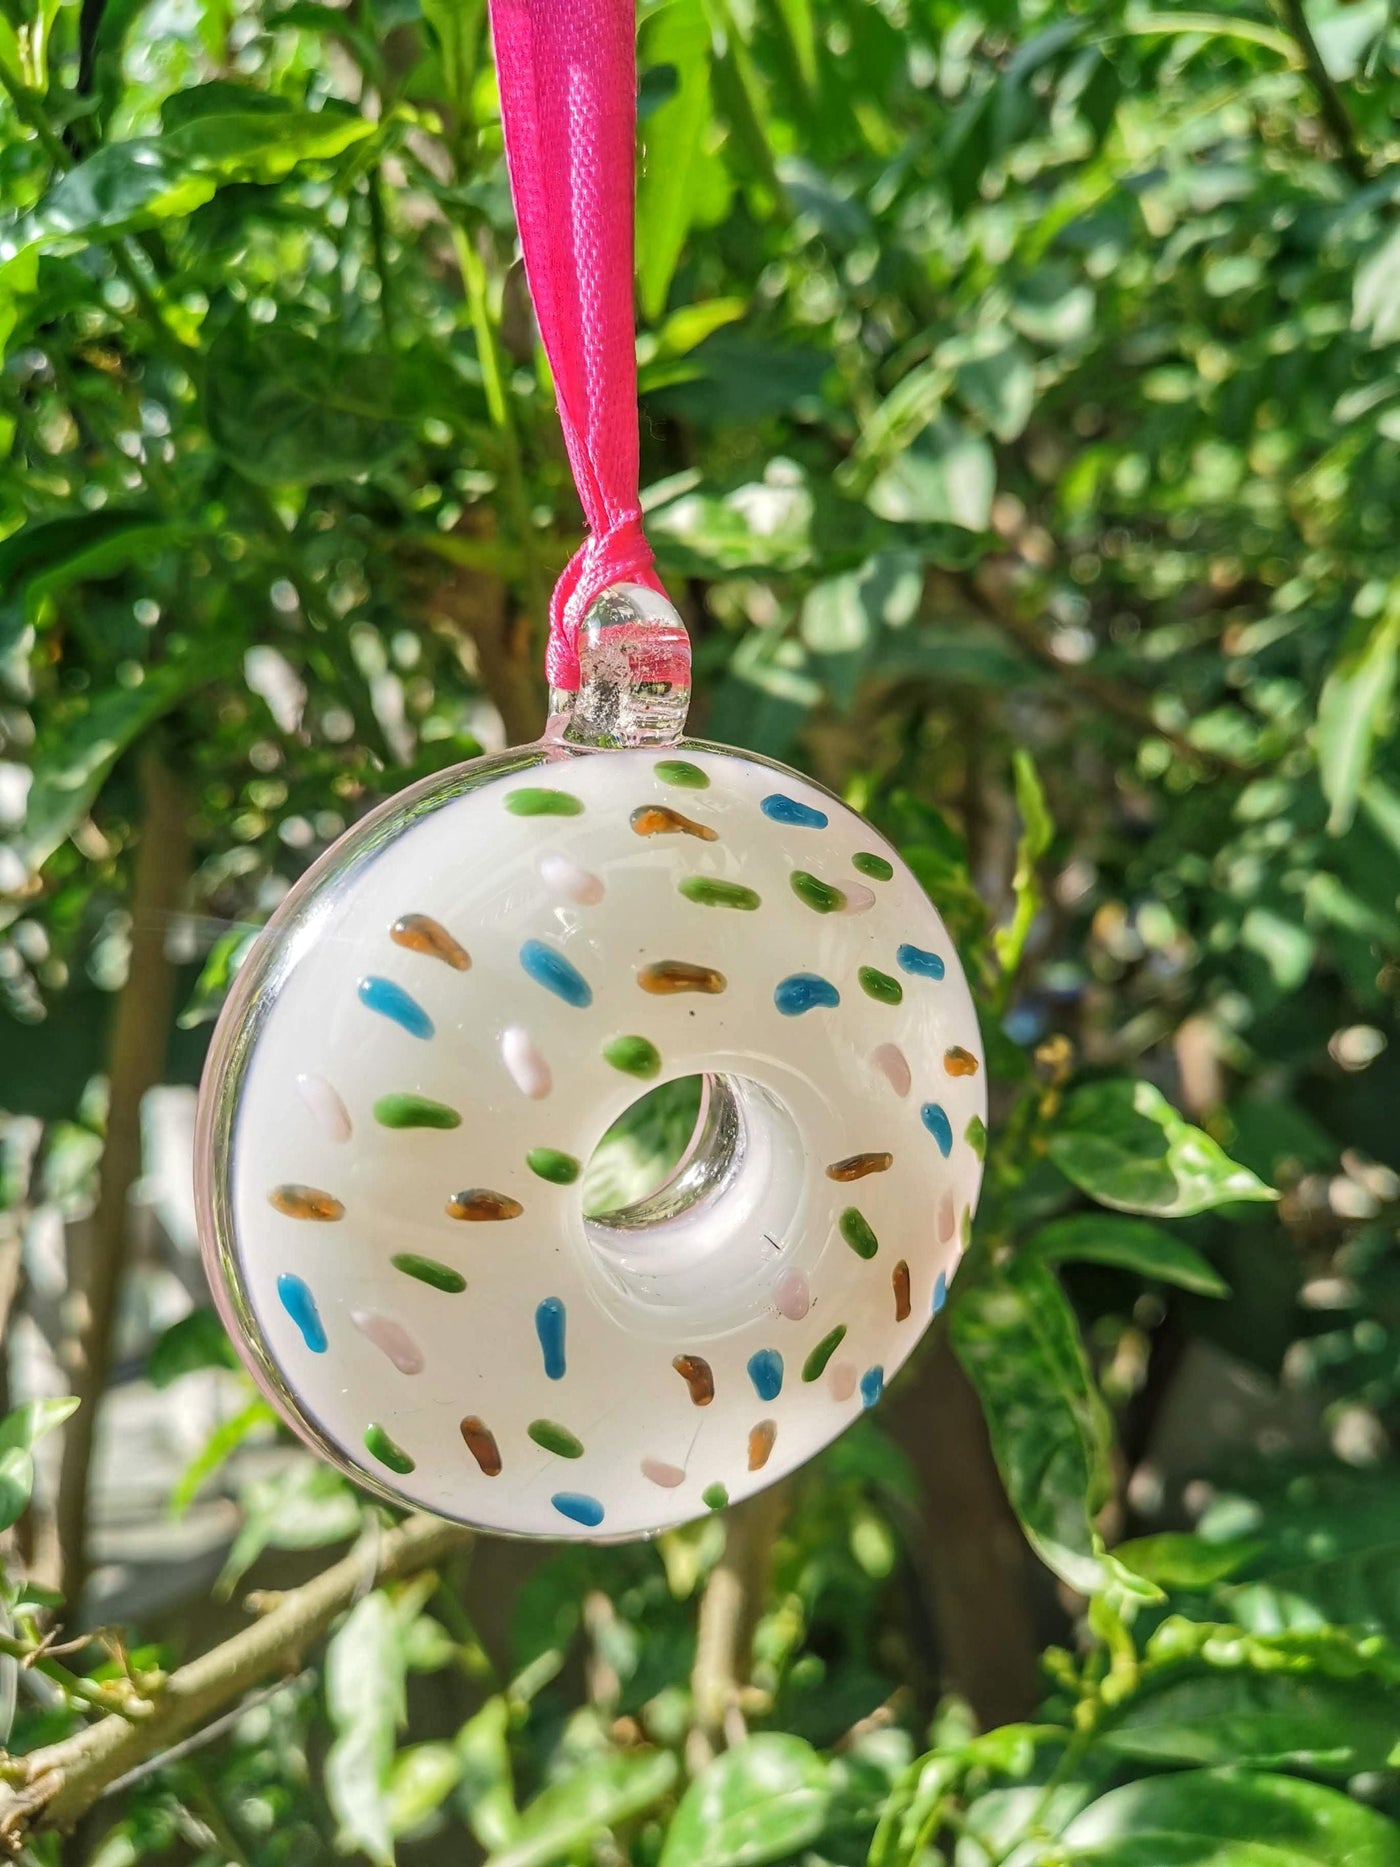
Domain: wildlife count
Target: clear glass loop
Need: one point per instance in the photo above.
(634, 673)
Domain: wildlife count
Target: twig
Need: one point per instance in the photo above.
(104, 1698)
(63, 1780)
(197, 1739)
(1329, 99)
(731, 1604)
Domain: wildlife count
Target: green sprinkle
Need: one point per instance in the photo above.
(715, 1496)
(555, 1438)
(975, 1134)
(635, 1056)
(815, 1364)
(855, 1229)
(817, 894)
(966, 1227)
(550, 1164)
(707, 893)
(872, 865)
(410, 1111)
(383, 1448)
(430, 1271)
(881, 986)
(680, 771)
(535, 801)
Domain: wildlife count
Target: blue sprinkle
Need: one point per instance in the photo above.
(300, 1305)
(787, 810)
(914, 959)
(579, 1507)
(556, 974)
(391, 1001)
(935, 1118)
(801, 991)
(872, 1385)
(940, 1291)
(549, 1327)
(766, 1373)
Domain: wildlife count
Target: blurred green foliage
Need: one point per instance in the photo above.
(1021, 391)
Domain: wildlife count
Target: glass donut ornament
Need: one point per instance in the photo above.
(454, 1005)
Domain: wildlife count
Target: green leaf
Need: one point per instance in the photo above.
(1174, 1559)
(947, 475)
(764, 1801)
(289, 409)
(456, 25)
(1127, 1147)
(1278, 1720)
(18, 278)
(421, 1778)
(131, 185)
(1131, 1244)
(198, 1340)
(365, 1704)
(1208, 1818)
(668, 186)
(601, 1794)
(220, 1446)
(1016, 1336)
(304, 1505)
(488, 1793)
(1376, 291)
(1331, 1553)
(1353, 711)
(40, 561)
(20, 1432)
(72, 761)
(996, 381)
(1037, 831)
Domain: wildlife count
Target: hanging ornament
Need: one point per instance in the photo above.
(455, 1004)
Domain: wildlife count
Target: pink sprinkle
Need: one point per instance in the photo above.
(525, 1061)
(858, 897)
(391, 1337)
(947, 1218)
(793, 1295)
(326, 1106)
(892, 1064)
(569, 880)
(661, 1473)
(841, 1379)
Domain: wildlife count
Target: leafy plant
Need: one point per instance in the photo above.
(1020, 400)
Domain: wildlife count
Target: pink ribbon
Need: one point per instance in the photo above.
(568, 81)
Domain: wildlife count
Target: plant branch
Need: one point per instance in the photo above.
(1330, 102)
(135, 1059)
(64, 1780)
(117, 1699)
(729, 1609)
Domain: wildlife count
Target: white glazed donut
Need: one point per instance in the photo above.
(445, 1017)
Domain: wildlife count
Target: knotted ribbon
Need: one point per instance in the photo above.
(568, 81)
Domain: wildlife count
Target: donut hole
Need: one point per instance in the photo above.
(644, 1147)
(706, 1240)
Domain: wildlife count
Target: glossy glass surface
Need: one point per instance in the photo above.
(432, 1036)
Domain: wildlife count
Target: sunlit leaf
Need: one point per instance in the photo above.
(1018, 1340)
(1198, 1818)
(365, 1703)
(1132, 1245)
(1353, 711)
(765, 1801)
(599, 1794)
(1127, 1147)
